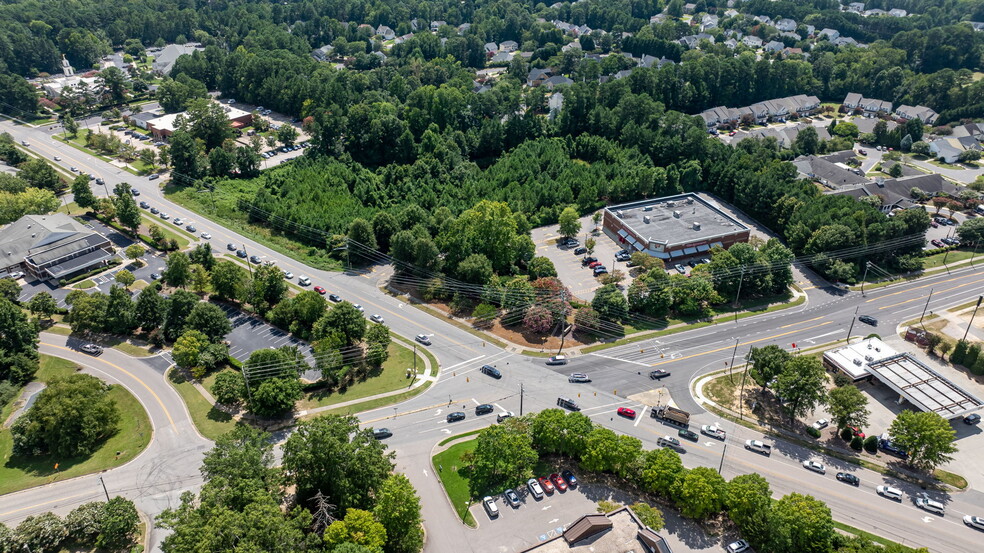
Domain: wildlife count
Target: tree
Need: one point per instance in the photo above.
(207, 121)
(398, 510)
(503, 454)
(275, 396)
(71, 417)
(345, 319)
(748, 501)
(361, 241)
(648, 515)
(188, 347)
(150, 309)
(959, 351)
(384, 226)
(227, 280)
(125, 278)
(41, 305)
(268, 287)
(800, 523)
(925, 436)
(82, 192)
(920, 148)
(333, 455)
(605, 451)
(184, 153)
(906, 144)
(43, 532)
(178, 270)
(70, 125)
(287, 134)
(848, 407)
(221, 162)
(118, 525)
(895, 171)
(700, 492)
(229, 388)
(88, 312)
(118, 317)
(210, 320)
(969, 155)
(660, 470)
(569, 222)
(84, 523)
(801, 385)
(358, 527)
(807, 141)
(178, 307)
(538, 319)
(971, 231)
(675, 9)
(39, 174)
(475, 269)
(610, 304)
(540, 267)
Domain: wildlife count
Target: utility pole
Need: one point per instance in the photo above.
(854, 318)
(248, 264)
(926, 306)
(104, 487)
(979, 298)
(731, 369)
(521, 399)
(866, 265)
(738, 294)
(741, 394)
(723, 451)
(946, 253)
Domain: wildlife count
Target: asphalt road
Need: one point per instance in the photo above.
(418, 424)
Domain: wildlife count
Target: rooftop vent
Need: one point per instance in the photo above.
(869, 358)
(857, 362)
(696, 225)
(648, 208)
(647, 219)
(676, 214)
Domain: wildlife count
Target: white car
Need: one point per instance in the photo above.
(821, 424)
(288, 275)
(57, 158)
(974, 522)
(578, 377)
(738, 546)
(713, 431)
(73, 169)
(179, 221)
(376, 318)
(165, 216)
(889, 492)
(357, 306)
(424, 339)
(924, 502)
(303, 280)
(490, 506)
(206, 236)
(815, 466)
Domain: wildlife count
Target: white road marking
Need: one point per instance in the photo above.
(553, 521)
(709, 444)
(640, 415)
(425, 472)
(619, 359)
(547, 507)
(464, 363)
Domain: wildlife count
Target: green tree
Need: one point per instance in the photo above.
(184, 154)
(150, 309)
(959, 352)
(801, 385)
(660, 469)
(610, 304)
(848, 407)
(569, 222)
(71, 417)
(9, 289)
(807, 142)
(44, 532)
(287, 134)
(345, 319)
(384, 227)
(83, 523)
(606, 451)
(125, 278)
(475, 269)
(800, 523)
(188, 347)
(118, 525)
(210, 320)
(333, 455)
(361, 241)
(39, 174)
(268, 287)
(275, 396)
(41, 305)
(503, 454)
(926, 437)
(228, 279)
(700, 492)
(648, 515)
(127, 212)
(88, 313)
(973, 353)
(229, 388)
(178, 307)
(748, 501)
(71, 126)
(971, 231)
(177, 273)
(118, 316)
(134, 251)
(207, 121)
(398, 510)
(82, 192)
(358, 527)
(675, 9)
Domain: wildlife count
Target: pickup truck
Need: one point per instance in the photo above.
(758, 447)
(713, 431)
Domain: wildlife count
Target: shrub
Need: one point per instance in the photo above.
(43, 532)
(959, 352)
(871, 444)
(857, 443)
(85, 522)
(846, 434)
(973, 352)
(841, 379)
(978, 368)
(812, 432)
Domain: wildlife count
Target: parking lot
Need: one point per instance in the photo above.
(535, 521)
(250, 333)
(580, 279)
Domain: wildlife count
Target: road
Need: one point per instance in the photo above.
(418, 424)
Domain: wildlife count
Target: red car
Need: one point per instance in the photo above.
(626, 412)
(732, 133)
(594, 264)
(320, 290)
(936, 243)
(559, 482)
(857, 432)
(546, 484)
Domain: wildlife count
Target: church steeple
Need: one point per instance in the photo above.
(67, 67)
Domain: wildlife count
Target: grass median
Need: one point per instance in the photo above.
(391, 377)
(210, 421)
(452, 472)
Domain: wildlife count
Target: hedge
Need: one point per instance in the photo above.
(109, 264)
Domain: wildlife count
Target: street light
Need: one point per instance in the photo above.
(979, 298)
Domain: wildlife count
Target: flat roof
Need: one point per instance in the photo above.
(167, 122)
(623, 534)
(923, 387)
(854, 359)
(676, 220)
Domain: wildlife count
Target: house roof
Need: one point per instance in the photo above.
(852, 98)
(818, 168)
(41, 236)
(164, 60)
(617, 532)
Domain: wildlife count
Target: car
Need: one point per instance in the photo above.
(951, 222)
(178, 221)
(91, 349)
(626, 412)
(580, 251)
(191, 228)
(857, 432)
(165, 216)
(569, 476)
(658, 374)
(587, 261)
(303, 280)
(134, 191)
(456, 416)
(359, 307)
(484, 409)
(974, 522)
(57, 158)
(320, 290)
(972, 418)
(578, 378)
(691, 263)
(557, 360)
(568, 403)
(924, 502)
(738, 546)
(600, 270)
(230, 101)
(144, 204)
(594, 264)
(622, 256)
(381, 433)
(100, 181)
(490, 506)
(688, 435)
(821, 424)
(335, 297)
(889, 492)
(423, 339)
(491, 371)
(713, 431)
(814, 466)
(255, 259)
(936, 243)
(376, 318)
(868, 319)
(231, 247)
(535, 490)
(934, 224)
(558, 482)
(504, 415)
(849, 478)
(512, 498)
(241, 254)
(155, 176)
(16, 275)
(732, 133)
(73, 169)
(546, 484)
(668, 441)
(951, 241)
(155, 276)
(206, 236)
(863, 152)
(679, 268)
(288, 275)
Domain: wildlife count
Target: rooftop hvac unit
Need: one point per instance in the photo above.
(620, 214)
(648, 208)
(669, 203)
(690, 201)
(646, 219)
(857, 362)
(696, 225)
(676, 214)
(869, 358)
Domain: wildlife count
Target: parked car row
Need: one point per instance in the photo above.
(537, 487)
(190, 227)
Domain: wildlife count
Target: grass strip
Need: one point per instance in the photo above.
(451, 470)
(210, 421)
(371, 404)
(459, 436)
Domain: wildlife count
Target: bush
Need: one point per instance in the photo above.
(871, 444)
(978, 368)
(973, 352)
(841, 379)
(85, 522)
(857, 443)
(959, 352)
(846, 434)
(44, 532)
(812, 432)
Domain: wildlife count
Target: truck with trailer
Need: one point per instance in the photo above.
(671, 415)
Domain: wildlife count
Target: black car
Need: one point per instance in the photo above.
(868, 319)
(972, 418)
(588, 260)
(848, 478)
(241, 253)
(456, 416)
(581, 251)
(382, 433)
(658, 374)
(335, 297)
(688, 435)
(600, 270)
(255, 259)
(491, 371)
(144, 205)
(134, 191)
(484, 409)
(155, 211)
(569, 476)
(155, 276)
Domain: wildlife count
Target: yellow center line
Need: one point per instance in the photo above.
(941, 291)
(126, 372)
(741, 344)
(908, 290)
(36, 505)
(801, 322)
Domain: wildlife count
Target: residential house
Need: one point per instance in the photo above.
(786, 25)
(708, 22)
(689, 8)
(761, 112)
(658, 18)
(752, 41)
(764, 19)
(897, 12)
(731, 13)
(827, 173)
(622, 74)
(923, 113)
(385, 32)
(810, 29)
(581, 31)
(856, 7)
(689, 42)
(897, 193)
(970, 129)
(557, 80)
(866, 125)
(731, 43)
(502, 57)
(402, 38)
(164, 60)
(778, 110)
(978, 26)
(508, 46)
(463, 28)
(791, 35)
(845, 41)
(852, 101)
(51, 247)
(829, 34)
(774, 46)
(874, 12)
(415, 24)
(435, 25)
(491, 47)
(570, 46)
(537, 76)
(140, 119)
(949, 149)
(793, 51)
(875, 108)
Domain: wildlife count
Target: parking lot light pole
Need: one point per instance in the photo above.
(979, 298)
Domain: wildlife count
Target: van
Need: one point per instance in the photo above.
(303, 280)
(557, 360)
(925, 503)
(535, 490)
(567, 403)
(894, 494)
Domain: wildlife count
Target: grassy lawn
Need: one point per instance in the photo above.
(450, 439)
(453, 478)
(133, 436)
(954, 480)
(434, 365)
(875, 538)
(959, 254)
(165, 226)
(210, 421)
(70, 208)
(85, 285)
(371, 404)
(391, 377)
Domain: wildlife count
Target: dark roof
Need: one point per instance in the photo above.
(78, 263)
(144, 116)
(840, 157)
(64, 248)
(654, 541)
(586, 527)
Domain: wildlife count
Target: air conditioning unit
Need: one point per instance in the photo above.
(696, 225)
(857, 362)
(648, 208)
(646, 219)
(620, 214)
(869, 358)
(676, 214)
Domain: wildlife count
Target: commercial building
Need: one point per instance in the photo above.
(164, 126)
(51, 247)
(673, 228)
(617, 532)
(916, 383)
